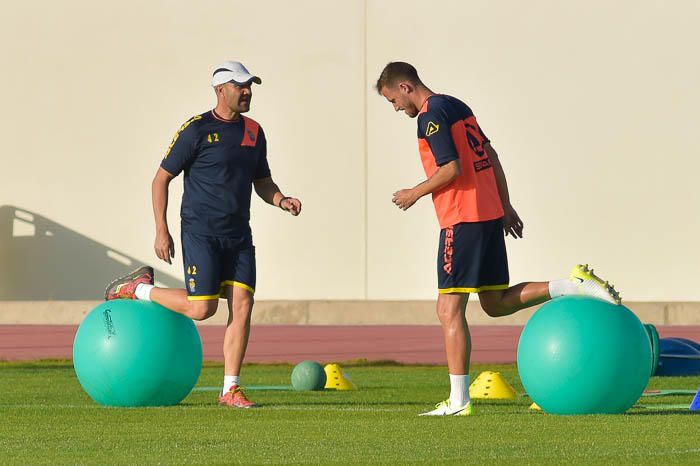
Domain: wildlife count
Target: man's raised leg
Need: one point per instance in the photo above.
(499, 303)
(176, 300)
(582, 281)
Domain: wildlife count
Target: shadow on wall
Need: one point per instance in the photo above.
(40, 260)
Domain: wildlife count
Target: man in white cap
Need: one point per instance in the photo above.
(223, 155)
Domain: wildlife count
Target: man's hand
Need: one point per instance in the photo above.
(164, 246)
(511, 222)
(291, 205)
(405, 198)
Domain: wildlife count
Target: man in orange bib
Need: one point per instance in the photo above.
(470, 193)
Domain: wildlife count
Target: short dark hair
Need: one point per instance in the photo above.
(394, 72)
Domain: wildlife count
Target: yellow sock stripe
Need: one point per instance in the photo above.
(472, 290)
(238, 284)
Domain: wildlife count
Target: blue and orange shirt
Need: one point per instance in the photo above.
(221, 159)
(447, 131)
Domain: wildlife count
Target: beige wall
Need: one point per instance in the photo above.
(593, 107)
(93, 96)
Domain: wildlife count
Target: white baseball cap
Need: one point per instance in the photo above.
(232, 71)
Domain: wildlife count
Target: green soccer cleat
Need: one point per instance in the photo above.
(590, 284)
(445, 409)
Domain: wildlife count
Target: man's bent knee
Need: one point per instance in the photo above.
(202, 310)
(491, 303)
(491, 309)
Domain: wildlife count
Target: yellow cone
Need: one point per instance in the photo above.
(336, 379)
(535, 407)
(493, 386)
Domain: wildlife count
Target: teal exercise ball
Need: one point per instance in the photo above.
(136, 353)
(581, 355)
(308, 375)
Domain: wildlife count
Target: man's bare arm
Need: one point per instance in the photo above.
(269, 192)
(511, 221)
(445, 174)
(164, 245)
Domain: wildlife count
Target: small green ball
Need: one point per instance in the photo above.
(308, 375)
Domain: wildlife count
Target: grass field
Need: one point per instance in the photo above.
(46, 418)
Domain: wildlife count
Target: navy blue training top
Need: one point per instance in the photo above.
(443, 111)
(221, 159)
(447, 131)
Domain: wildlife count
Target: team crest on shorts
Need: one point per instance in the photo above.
(192, 285)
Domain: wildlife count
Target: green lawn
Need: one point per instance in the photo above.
(46, 418)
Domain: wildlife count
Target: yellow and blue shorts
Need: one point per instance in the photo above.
(211, 263)
(472, 258)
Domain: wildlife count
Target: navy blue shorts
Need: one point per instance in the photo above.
(472, 258)
(211, 263)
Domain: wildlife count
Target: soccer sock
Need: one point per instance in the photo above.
(562, 287)
(459, 390)
(230, 381)
(143, 291)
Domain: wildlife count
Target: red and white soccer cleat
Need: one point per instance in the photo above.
(235, 398)
(125, 287)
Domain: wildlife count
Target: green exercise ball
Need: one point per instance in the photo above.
(137, 353)
(308, 375)
(580, 355)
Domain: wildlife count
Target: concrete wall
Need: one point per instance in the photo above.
(362, 312)
(592, 106)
